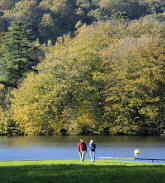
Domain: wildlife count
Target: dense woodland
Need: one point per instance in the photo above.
(82, 67)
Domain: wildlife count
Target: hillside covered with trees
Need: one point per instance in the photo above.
(82, 67)
(53, 18)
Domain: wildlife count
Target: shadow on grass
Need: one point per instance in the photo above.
(82, 174)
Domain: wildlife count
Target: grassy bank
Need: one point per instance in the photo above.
(68, 171)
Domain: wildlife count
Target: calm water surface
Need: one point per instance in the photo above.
(65, 148)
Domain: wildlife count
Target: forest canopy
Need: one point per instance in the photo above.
(92, 67)
(109, 79)
(53, 18)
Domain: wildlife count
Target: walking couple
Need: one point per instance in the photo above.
(82, 149)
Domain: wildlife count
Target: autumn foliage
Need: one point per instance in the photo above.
(107, 79)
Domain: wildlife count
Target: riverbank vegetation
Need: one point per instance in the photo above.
(98, 70)
(73, 171)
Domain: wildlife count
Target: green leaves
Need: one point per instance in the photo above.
(19, 54)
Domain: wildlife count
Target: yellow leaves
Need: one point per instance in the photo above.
(106, 79)
(112, 98)
(2, 87)
(56, 4)
(62, 7)
(2, 92)
(98, 76)
(145, 26)
(35, 104)
(135, 102)
(85, 119)
(122, 125)
(150, 111)
(47, 20)
(78, 121)
(121, 129)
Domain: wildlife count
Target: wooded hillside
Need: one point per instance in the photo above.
(82, 67)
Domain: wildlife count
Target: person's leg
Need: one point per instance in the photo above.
(93, 154)
(80, 153)
(83, 155)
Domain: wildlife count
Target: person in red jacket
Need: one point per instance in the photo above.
(82, 148)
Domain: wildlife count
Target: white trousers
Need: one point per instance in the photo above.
(82, 155)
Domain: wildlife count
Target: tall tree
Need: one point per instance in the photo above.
(19, 53)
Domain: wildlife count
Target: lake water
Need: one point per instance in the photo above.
(65, 148)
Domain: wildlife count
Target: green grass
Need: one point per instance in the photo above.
(72, 171)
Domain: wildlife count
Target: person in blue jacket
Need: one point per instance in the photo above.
(92, 147)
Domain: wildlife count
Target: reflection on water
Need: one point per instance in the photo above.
(51, 148)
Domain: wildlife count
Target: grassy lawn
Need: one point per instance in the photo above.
(72, 171)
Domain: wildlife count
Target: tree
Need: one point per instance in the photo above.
(108, 79)
(5, 5)
(132, 8)
(19, 53)
(48, 30)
